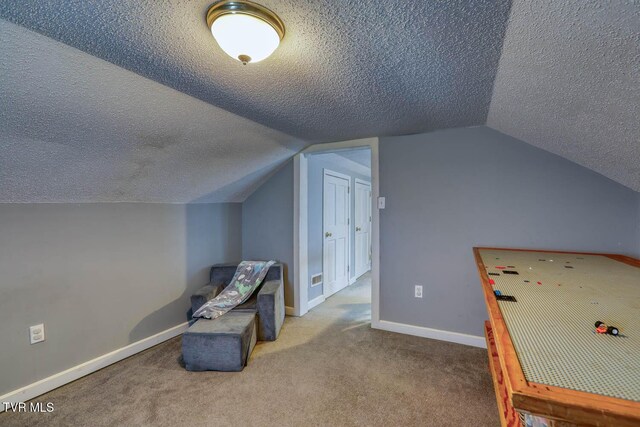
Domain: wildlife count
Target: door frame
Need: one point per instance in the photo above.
(330, 172)
(368, 184)
(300, 225)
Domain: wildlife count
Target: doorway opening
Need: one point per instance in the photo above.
(336, 225)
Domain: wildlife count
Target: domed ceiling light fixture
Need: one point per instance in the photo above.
(245, 30)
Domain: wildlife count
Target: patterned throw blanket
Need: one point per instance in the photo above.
(248, 277)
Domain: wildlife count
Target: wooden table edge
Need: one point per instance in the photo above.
(577, 406)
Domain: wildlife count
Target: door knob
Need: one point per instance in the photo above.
(358, 228)
(327, 234)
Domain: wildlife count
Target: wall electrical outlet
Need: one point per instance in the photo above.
(418, 291)
(36, 333)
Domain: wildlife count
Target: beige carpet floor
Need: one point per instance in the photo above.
(328, 368)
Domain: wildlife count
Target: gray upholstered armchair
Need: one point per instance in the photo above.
(267, 300)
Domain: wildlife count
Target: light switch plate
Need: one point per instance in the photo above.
(381, 202)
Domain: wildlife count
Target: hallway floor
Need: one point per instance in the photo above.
(328, 368)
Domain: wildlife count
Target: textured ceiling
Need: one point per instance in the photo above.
(346, 68)
(569, 82)
(74, 128)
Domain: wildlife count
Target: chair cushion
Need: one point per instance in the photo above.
(221, 344)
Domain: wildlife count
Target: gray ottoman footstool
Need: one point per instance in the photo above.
(222, 344)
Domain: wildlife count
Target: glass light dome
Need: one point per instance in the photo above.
(246, 31)
(244, 37)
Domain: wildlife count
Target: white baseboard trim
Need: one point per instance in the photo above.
(436, 334)
(289, 311)
(61, 378)
(315, 302)
(357, 277)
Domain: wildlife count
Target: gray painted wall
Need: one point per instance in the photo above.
(638, 230)
(451, 190)
(316, 165)
(100, 276)
(267, 224)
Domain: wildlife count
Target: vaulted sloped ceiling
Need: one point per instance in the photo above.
(362, 157)
(134, 101)
(345, 69)
(569, 82)
(75, 128)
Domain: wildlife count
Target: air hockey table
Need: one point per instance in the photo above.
(551, 365)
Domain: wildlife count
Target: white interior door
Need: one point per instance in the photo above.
(336, 207)
(362, 225)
